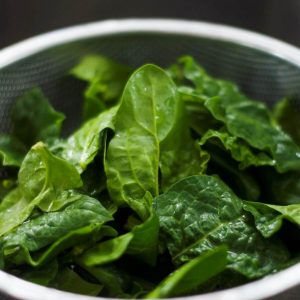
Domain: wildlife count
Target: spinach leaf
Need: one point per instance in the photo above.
(6, 185)
(119, 283)
(41, 275)
(186, 72)
(142, 242)
(199, 117)
(242, 182)
(34, 119)
(12, 151)
(200, 212)
(244, 118)
(285, 188)
(81, 147)
(239, 150)
(69, 281)
(106, 80)
(286, 112)
(43, 177)
(13, 210)
(252, 122)
(192, 274)
(268, 217)
(106, 252)
(44, 181)
(145, 131)
(58, 230)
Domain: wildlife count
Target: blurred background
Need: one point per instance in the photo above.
(20, 19)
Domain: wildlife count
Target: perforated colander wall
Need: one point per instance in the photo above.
(259, 74)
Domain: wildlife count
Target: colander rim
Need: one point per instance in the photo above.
(266, 287)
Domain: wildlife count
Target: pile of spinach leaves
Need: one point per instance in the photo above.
(175, 184)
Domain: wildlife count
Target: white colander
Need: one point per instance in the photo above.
(263, 67)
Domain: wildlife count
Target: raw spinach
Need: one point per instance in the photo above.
(176, 183)
(220, 219)
(150, 133)
(106, 80)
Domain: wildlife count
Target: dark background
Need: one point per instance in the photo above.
(20, 19)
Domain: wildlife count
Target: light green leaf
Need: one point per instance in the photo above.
(81, 147)
(269, 217)
(106, 252)
(43, 177)
(145, 131)
(191, 275)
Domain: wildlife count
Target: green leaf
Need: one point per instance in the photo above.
(144, 245)
(244, 118)
(242, 182)
(42, 275)
(268, 217)
(81, 147)
(106, 80)
(145, 131)
(44, 181)
(240, 150)
(252, 122)
(43, 177)
(118, 283)
(6, 185)
(187, 71)
(13, 210)
(106, 252)
(192, 274)
(69, 281)
(12, 151)
(200, 212)
(34, 119)
(199, 117)
(286, 112)
(54, 232)
(285, 188)
(141, 242)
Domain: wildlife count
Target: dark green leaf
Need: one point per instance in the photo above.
(12, 151)
(34, 120)
(286, 112)
(240, 151)
(42, 275)
(200, 212)
(242, 182)
(285, 188)
(69, 281)
(244, 118)
(59, 230)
